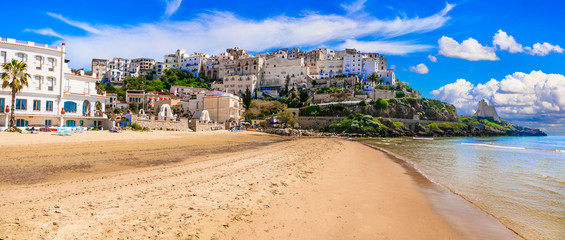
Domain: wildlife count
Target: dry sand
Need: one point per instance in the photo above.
(207, 186)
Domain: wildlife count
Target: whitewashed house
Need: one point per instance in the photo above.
(52, 88)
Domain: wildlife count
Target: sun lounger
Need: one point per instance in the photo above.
(63, 132)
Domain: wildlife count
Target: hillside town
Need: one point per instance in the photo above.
(187, 91)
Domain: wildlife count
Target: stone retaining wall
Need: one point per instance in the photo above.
(152, 124)
(198, 126)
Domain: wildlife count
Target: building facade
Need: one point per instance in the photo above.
(278, 70)
(223, 107)
(55, 96)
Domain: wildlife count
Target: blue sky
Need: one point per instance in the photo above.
(526, 62)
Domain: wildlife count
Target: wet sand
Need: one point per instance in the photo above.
(207, 186)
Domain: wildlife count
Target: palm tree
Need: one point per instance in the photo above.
(100, 88)
(373, 78)
(15, 77)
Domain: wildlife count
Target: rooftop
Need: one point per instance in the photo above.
(31, 44)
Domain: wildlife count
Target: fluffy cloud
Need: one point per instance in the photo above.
(420, 69)
(469, 49)
(472, 50)
(506, 42)
(533, 97)
(213, 32)
(432, 58)
(543, 49)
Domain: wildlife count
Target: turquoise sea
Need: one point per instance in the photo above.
(519, 180)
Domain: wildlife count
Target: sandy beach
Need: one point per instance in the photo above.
(217, 185)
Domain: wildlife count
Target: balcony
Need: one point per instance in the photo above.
(67, 89)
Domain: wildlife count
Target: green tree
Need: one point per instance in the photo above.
(400, 94)
(293, 99)
(133, 107)
(246, 98)
(248, 116)
(14, 76)
(286, 117)
(304, 97)
(285, 91)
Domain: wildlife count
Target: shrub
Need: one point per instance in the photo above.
(400, 94)
(14, 130)
(263, 124)
(136, 127)
(363, 103)
(398, 124)
(312, 110)
(381, 104)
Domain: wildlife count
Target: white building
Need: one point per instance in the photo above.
(353, 64)
(52, 88)
(236, 84)
(388, 76)
(194, 64)
(277, 70)
(329, 68)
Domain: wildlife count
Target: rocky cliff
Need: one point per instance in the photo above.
(367, 126)
(424, 109)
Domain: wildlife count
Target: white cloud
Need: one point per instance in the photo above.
(354, 7)
(469, 49)
(172, 7)
(393, 67)
(82, 25)
(472, 50)
(506, 42)
(385, 47)
(45, 31)
(213, 32)
(532, 97)
(432, 58)
(420, 69)
(543, 49)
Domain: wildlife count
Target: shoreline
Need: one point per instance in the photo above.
(438, 194)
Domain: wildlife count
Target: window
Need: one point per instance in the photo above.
(2, 57)
(36, 105)
(71, 123)
(21, 104)
(49, 106)
(21, 56)
(38, 62)
(37, 82)
(51, 62)
(21, 123)
(2, 105)
(50, 83)
(47, 123)
(70, 107)
(81, 123)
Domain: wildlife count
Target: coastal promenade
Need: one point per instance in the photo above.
(215, 185)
